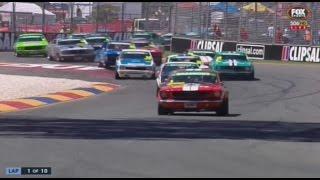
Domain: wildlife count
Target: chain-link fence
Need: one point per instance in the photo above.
(264, 22)
(255, 22)
(85, 17)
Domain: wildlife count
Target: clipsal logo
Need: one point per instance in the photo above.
(299, 13)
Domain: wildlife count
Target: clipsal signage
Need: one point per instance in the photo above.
(206, 45)
(299, 13)
(301, 53)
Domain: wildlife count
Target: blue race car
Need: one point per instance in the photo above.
(109, 53)
(135, 63)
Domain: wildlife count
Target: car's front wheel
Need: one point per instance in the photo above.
(50, 58)
(251, 76)
(224, 109)
(17, 54)
(163, 111)
(117, 75)
(100, 64)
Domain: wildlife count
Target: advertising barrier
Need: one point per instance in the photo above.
(254, 51)
(301, 53)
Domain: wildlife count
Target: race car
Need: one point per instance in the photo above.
(70, 49)
(155, 51)
(193, 90)
(185, 58)
(96, 41)
(205, 55)
(167, 68)
(107, 56)
(233, 64)
(31, 45)
(135, 63)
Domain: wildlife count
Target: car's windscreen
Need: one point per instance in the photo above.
(184, 59)
(145, 36)
(231, 57)
(210, 78)
(29, 39)
(141, 44)
(205, 54)
(69, 42)
(78, 36)
(95, 40)
(135, 55)
(169, 68)
(118, 46)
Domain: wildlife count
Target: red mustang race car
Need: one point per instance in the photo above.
(193, 90)
(156, 52)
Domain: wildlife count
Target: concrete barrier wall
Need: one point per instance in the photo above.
(254, 51)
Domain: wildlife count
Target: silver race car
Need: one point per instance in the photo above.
(70, 49)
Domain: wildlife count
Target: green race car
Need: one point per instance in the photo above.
(232, 64)
(31, 45)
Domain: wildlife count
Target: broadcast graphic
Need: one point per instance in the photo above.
(299, 18)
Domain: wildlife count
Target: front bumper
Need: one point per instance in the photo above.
(77, 56)
(136, 73)
(235, 73)
(32, 52)
(179, 105)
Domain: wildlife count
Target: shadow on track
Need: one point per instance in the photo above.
(157, 128)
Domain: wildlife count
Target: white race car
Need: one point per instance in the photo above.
(135, 63)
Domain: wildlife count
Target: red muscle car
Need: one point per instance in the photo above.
(193, 90)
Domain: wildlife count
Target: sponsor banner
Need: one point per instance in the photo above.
(206, 45)
(301, 53)
(252, 51)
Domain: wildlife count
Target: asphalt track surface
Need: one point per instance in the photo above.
(273, 129)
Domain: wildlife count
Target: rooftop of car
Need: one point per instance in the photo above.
(142, 33)
(96, 37)
(71, 39)
(193, 72)
(174, 63)
(182, 56)
(31, 34)
(135, 50)
(121, 43)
